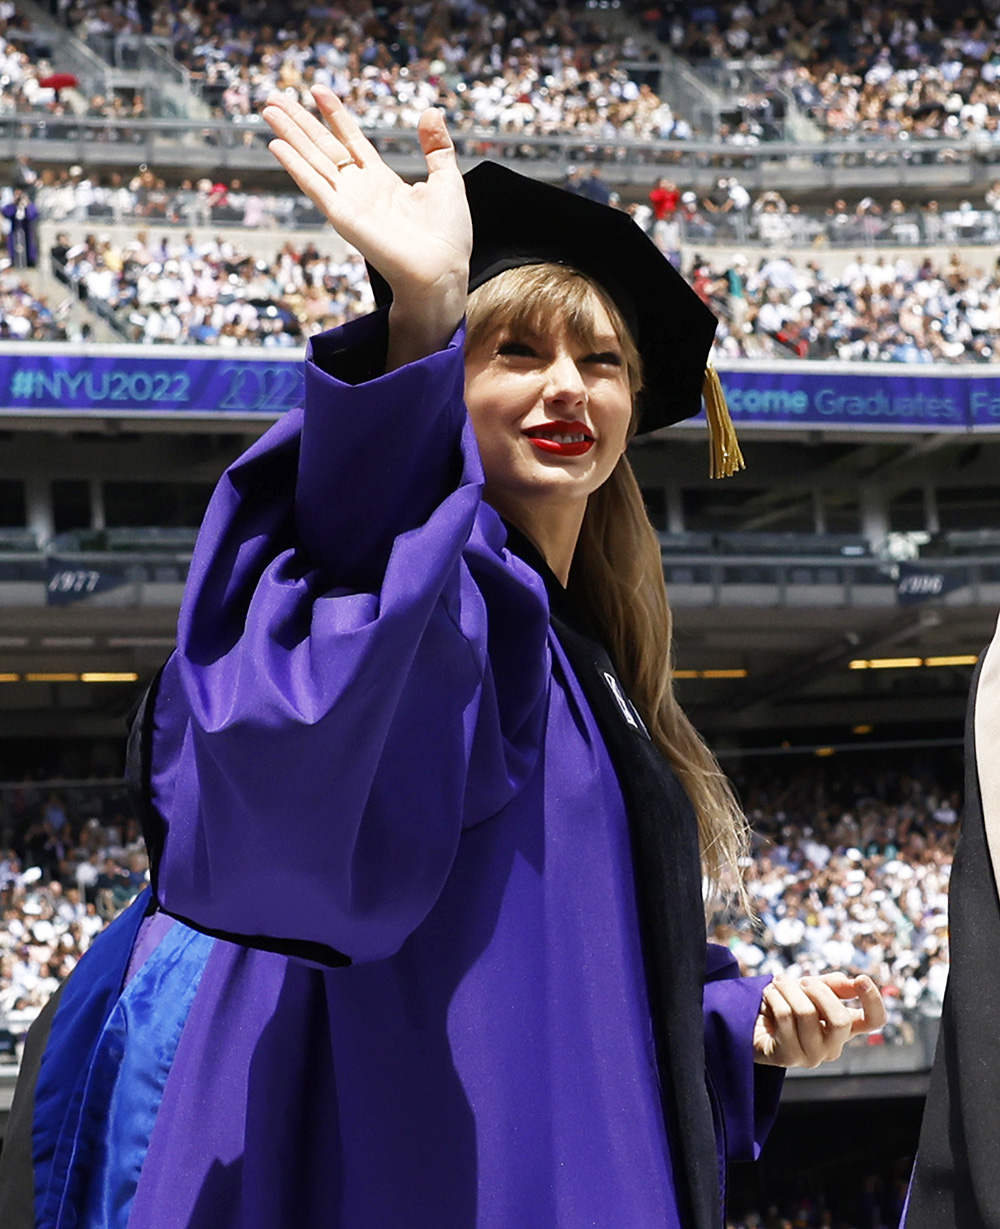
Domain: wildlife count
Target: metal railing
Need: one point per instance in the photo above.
(949, 165)
(146, 62)
(740, 84)
(150, 577)
(815, 580)
(120, 578)
(802, 229)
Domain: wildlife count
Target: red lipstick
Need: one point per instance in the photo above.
(561, 439)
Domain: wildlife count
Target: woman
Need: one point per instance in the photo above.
(21, 213)
(428, 943)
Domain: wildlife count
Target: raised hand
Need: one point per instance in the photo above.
(806, 1021)
(418, 236)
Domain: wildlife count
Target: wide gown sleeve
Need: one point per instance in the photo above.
(361, 669)
(745, 1094)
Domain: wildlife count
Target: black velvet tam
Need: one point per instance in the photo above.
(519, 221)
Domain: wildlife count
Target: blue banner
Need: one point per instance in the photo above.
(919, 584)
(130, 381)
(814, 398)
(66, 582)
(149, 384)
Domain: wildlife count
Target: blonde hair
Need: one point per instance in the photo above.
(617, 565)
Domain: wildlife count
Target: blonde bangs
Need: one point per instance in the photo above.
(525, 300)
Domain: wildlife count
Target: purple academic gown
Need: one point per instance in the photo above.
(369, 747)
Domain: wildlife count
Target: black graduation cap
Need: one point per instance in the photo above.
(517, 221)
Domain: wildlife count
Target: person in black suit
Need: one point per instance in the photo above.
(956, 1176)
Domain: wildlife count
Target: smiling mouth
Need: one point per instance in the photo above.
(561, 439)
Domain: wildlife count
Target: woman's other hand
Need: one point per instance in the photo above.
(807, 1021)
(418, 236)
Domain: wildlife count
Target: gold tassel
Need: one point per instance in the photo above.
(726, 457)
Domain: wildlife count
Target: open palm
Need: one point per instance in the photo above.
(418, 236)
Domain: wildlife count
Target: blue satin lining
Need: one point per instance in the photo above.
(130, 1071)
(60, 1152)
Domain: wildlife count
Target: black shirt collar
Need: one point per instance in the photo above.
(566, 605)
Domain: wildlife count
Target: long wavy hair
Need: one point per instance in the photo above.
(617, 566)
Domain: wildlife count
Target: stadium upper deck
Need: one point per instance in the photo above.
(913, 69)
(912, 72)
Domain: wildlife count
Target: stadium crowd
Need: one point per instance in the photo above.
(535, 67)
(879, 306)
(212, 293)
(70, 861)
(846, 876)
(851, 872)
(873, 309)
(908, 70)
(26, 316)
(21, 74)
(726, 213)
(29, 85)
(912, 70)
(76, 195)
(879, 1206)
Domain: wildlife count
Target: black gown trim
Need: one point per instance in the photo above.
(666, 862)
(956, 1179)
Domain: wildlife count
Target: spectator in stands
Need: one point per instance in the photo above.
(594, 188)
(25, 175)
(114, 888)
(665, 198)
(869, 223)
(667, 235)
(641, 214)
(572, 179)
(694, 224)
(24, 316)
(278, 335)
(21, 215)
(249, 204)
(727, 207)
(737, 304)
(718, 199)
(903, 223)
(954, 1181)
(770, 216)
(117, 198)
(80, 191)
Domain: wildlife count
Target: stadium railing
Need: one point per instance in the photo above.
(137, 568)
(837, 165)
